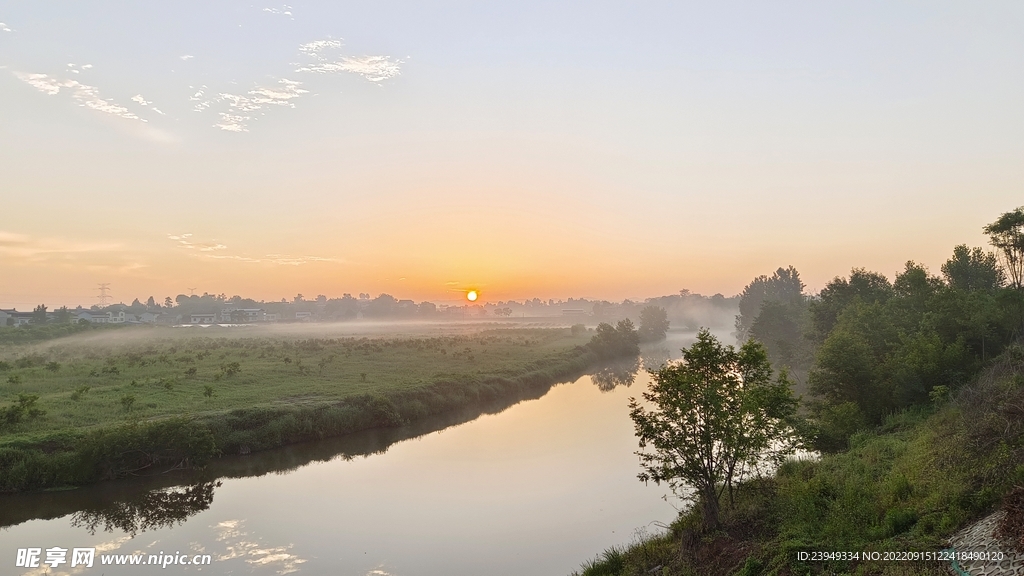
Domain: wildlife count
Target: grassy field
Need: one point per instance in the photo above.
(81, 386)
(102, 396)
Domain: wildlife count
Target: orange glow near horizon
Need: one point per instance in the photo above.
(472, 295)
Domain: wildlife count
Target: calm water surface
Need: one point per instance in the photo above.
(534, 489)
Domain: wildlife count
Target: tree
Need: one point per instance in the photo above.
(151, 303)
(39, 314)
(615, 341)
(653, 324)
(863, 285)
(716, 415)
(168, 303)
(973, 269)
(1007, 234)
(784, 286)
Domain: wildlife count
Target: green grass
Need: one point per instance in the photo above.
(249, 393)
(255, 372)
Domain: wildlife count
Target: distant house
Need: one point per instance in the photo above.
(148, 317)
(14, 318)
(305, 316)
(94, 317)
(204, 318)
(117, 317)
(22, 318)
(243, 315)
(574, 312)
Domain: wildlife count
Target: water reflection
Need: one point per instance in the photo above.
(655, 357)
(239, 543)
(614, 374)
(162, 508)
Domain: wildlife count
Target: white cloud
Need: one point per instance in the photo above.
(5, 28)
(232, 122)
(184, 242)
(85, 95)
(240, 107)
(373, 68)
(284, 10)
(138, 99)
(316, 47)
(186, 57)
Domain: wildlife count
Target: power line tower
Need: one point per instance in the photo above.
(191, 291)
(104, 297)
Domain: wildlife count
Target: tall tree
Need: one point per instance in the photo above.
(653, 324)
(1007, 234)
(715, 415)
(973, 269)
(783, 286)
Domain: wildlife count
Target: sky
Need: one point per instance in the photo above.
(524, 149)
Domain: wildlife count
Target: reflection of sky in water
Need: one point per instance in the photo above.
(536, 489)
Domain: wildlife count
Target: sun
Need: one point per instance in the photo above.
(472, 295)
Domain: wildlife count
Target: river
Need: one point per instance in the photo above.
(533, 486)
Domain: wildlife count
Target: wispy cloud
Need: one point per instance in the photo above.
(373, 68)
(284, 10)
(26, 249)
(138, 99)
(241, 107)
(186, 57)
(184, 241)
(5, 28)
(316, 47)
(85, 95)
(214, 251)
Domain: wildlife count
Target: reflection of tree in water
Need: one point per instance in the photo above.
(155, 509)
(655, 358)
(616, 374)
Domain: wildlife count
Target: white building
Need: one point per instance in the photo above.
(243, 315)
(94, 317)
(204, 318)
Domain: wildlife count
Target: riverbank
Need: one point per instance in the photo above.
(80, 413)
(907, 485)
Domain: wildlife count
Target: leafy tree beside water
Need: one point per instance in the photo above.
(653, 324)
(615, 341)
(715, 416)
